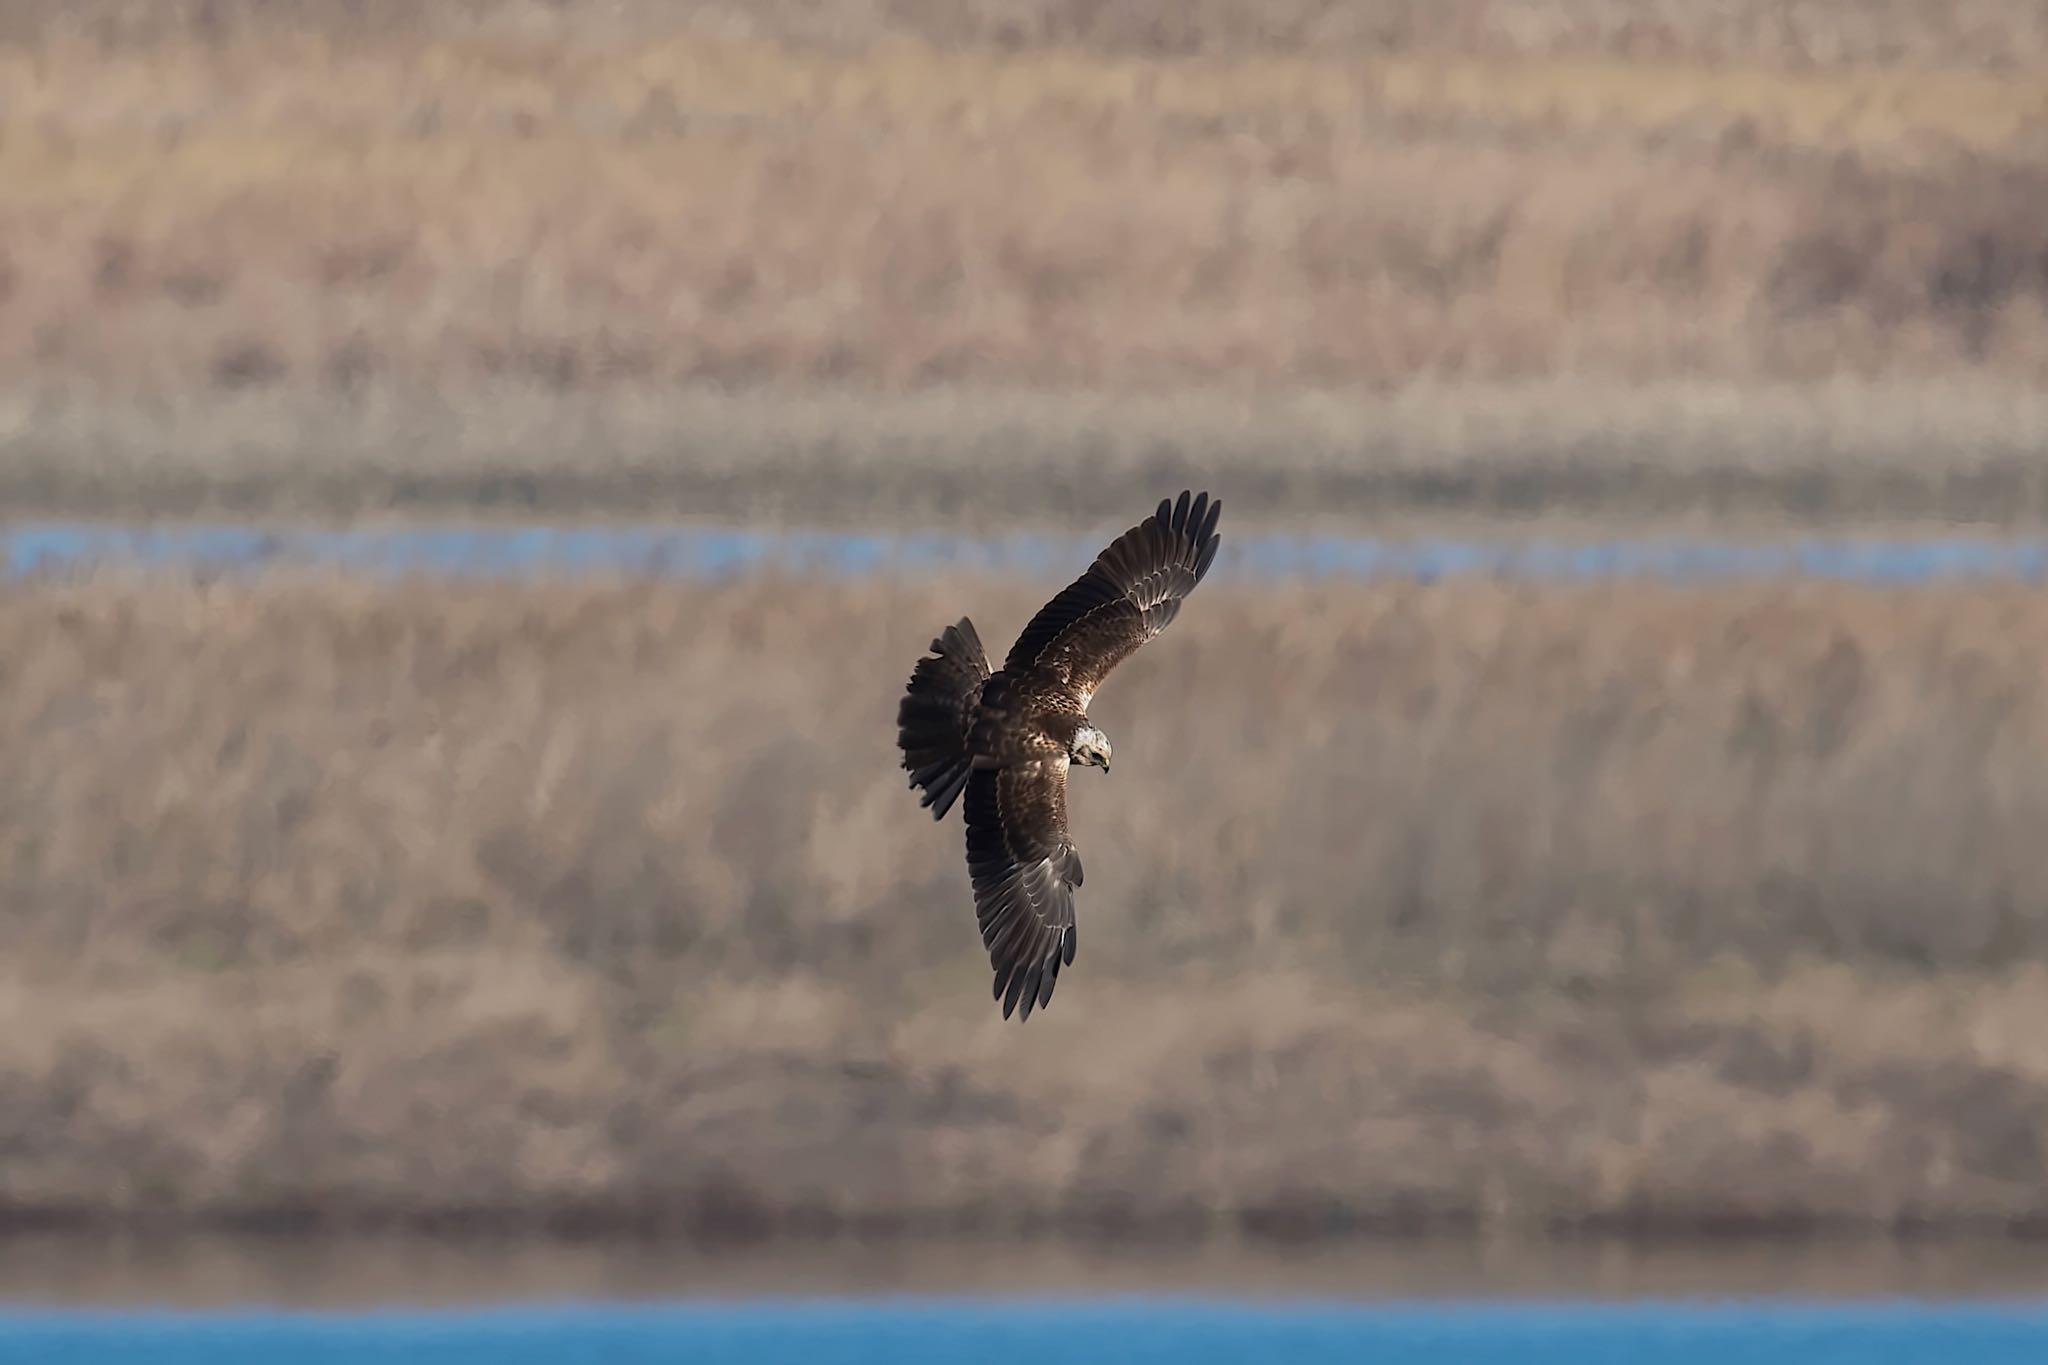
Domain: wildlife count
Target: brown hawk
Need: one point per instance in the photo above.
(1007, 738)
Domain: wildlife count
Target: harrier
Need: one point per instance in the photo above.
(1007, 738)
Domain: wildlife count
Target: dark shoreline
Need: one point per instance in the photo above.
(716, 1216)
(185, 1269)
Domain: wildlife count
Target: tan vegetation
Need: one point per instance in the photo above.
(1980, 35)
(1464, 905)
(242, 235)
(1456, 905)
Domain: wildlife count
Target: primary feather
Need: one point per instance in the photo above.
(1129, 595)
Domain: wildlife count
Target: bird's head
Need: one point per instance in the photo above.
(1091, 746)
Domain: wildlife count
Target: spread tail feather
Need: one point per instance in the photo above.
(936, 716)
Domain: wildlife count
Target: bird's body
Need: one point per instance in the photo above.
(1005, 738)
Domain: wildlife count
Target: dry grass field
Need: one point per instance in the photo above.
(1464, 905)
(336, 258)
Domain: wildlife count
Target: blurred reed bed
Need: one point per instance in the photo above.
(1986, 36)
(603, 904)
(252, 217)
(254, 256)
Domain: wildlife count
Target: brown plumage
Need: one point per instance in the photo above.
(1005, 739)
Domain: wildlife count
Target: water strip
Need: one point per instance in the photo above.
(45, 549)
(1192, 1333)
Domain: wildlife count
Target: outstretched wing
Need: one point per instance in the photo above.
(1129, 594)
(1025, 870)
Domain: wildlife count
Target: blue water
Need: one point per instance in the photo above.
(886, 1333)
(500, 551)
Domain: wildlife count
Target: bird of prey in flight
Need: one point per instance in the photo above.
(1006, 738)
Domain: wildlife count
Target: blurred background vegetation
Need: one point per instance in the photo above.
(595, 904)
(861, 259)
